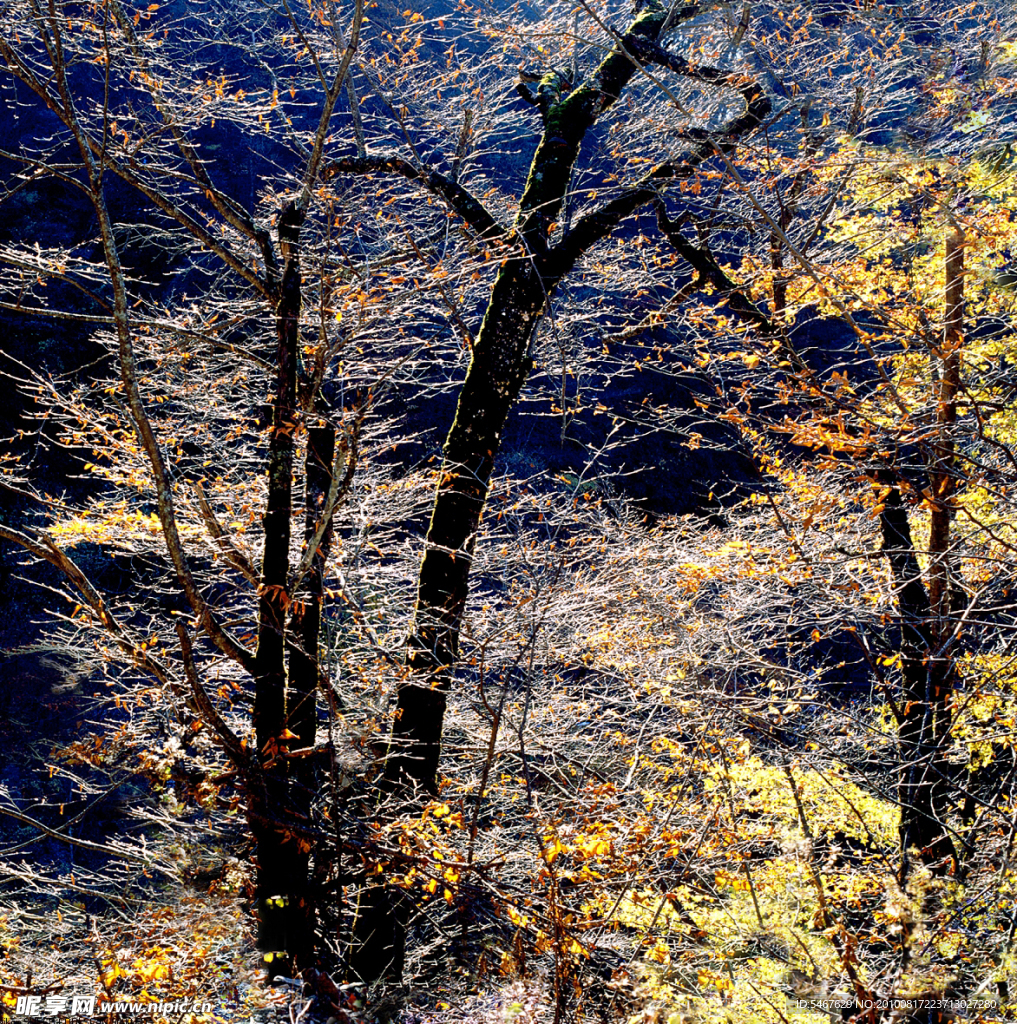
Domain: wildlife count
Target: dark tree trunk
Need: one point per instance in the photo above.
(305, 624)
(281, 883)
(496, 373)
(942, 561)
(925, 714)
(528, 278)
(944, 482)
(500, 364)
(927, 626)
(302, 682)
(379, 932)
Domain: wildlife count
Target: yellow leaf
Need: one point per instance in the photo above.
(551, 853)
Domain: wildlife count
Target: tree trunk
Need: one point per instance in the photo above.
(927, 629)
(500, 364)
(499, 367)
(302, 682)
(527, 280)
(944, 468)
(497, 371)
(924, 722)
(280, 887)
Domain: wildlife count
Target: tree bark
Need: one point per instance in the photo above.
(302, 679)
(929, 672)
(944, 457)
(500, 364)
(280, 889)
(925, 716)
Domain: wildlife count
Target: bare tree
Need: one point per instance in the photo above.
(537, 252)
(126, 107)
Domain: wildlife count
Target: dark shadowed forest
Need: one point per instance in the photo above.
(508, 512)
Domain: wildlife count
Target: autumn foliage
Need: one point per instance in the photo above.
(527, 521)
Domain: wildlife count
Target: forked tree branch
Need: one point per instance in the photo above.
(229, 739)
(458, 198)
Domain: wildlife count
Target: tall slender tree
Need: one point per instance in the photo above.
(537, 255)
(533, 266)
(125, 109)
